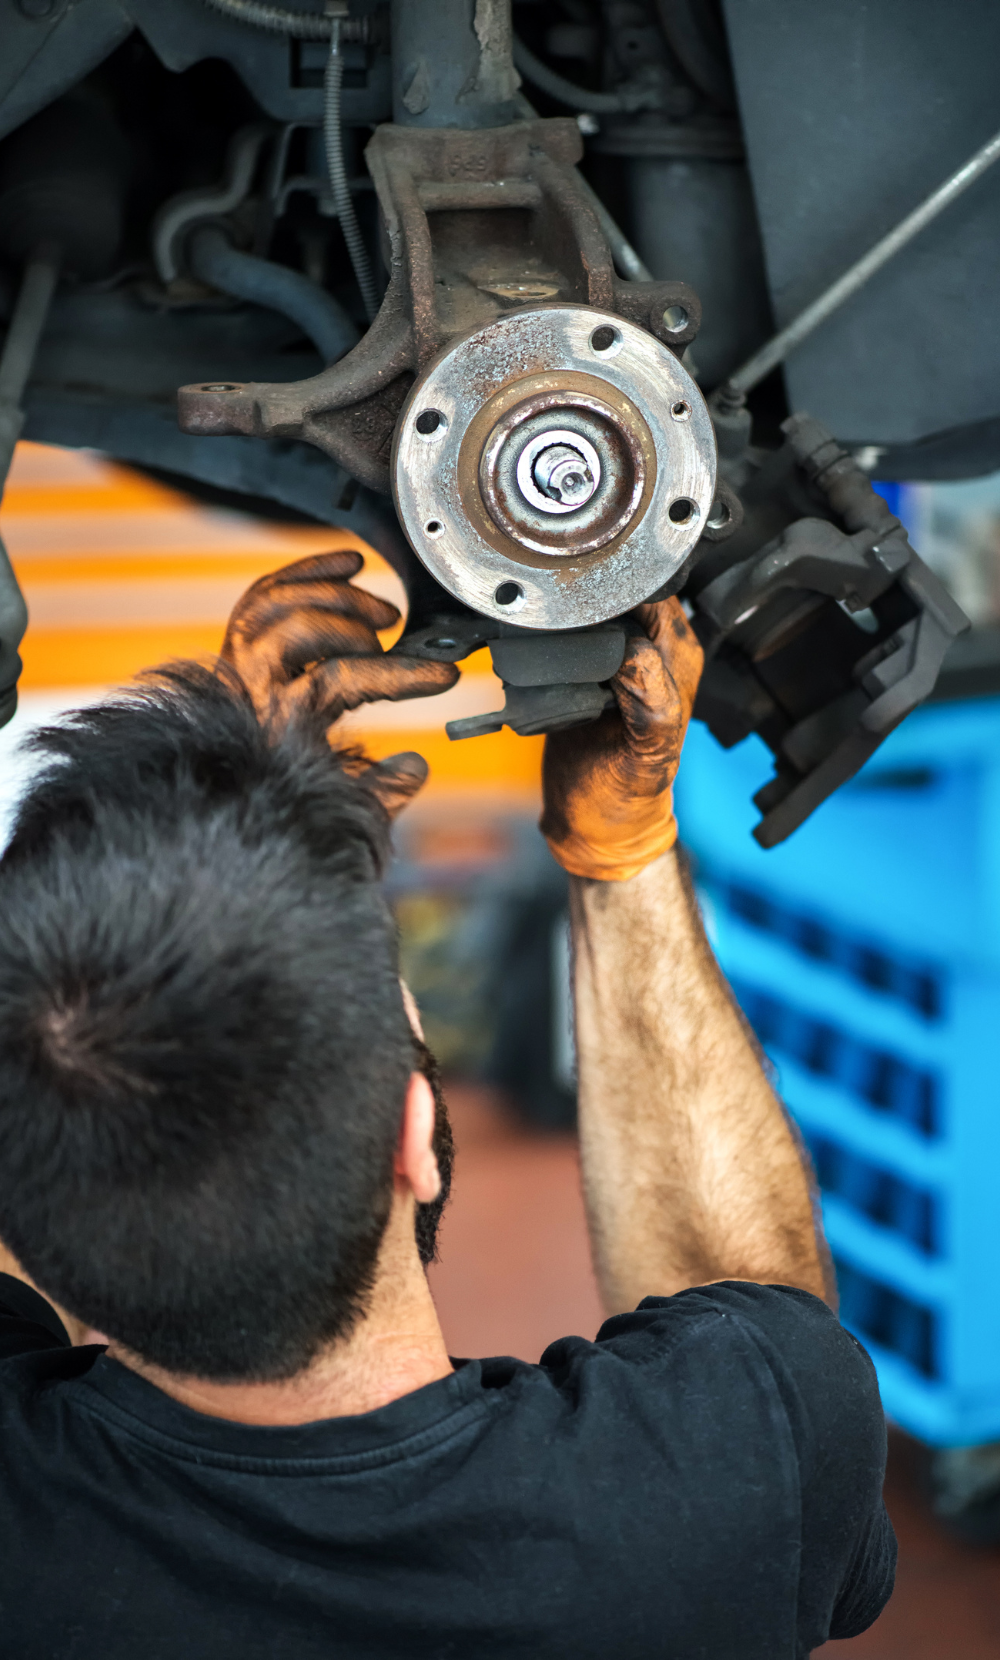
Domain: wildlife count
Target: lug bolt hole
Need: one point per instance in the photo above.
(680, 411)
(675, 319)
(434, 527)
(430, 423)
(509, 596)
(682, 511)
(606, 341)
(720, 514)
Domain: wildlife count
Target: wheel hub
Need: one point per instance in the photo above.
(558, 463)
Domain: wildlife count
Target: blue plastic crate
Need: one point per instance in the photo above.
(866, 953)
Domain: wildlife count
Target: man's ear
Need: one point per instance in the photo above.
(416, 1164)
(396, 780)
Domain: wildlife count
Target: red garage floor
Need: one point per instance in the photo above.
(515, 1273)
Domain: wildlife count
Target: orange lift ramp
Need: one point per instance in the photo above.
(122, 573)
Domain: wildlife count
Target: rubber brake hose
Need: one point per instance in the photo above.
(696, 36)
(214, 259)
(578, 97)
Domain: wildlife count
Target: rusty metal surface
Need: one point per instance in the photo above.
(443, 196)
(545, 359)
(476, 223)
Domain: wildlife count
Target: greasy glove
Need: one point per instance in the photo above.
(304, 640)
(607, 786)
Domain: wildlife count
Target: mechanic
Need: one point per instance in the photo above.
(230, 1425)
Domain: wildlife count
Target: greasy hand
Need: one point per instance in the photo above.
(303, 639)
(607, 786)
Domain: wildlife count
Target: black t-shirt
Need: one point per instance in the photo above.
(701, 1483)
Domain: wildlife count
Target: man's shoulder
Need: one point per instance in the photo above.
(761, 1412)
(784, 1324)
(822, 1374)
(713, 1349)
(791, 1326)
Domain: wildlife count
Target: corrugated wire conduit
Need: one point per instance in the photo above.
(303, 26)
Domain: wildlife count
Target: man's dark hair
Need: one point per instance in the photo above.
(203, 1046)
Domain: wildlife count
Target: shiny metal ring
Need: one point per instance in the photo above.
(537, 446)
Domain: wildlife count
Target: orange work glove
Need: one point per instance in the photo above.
(303, 639)
(607, 786)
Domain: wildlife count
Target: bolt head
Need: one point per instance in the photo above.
(562, 474)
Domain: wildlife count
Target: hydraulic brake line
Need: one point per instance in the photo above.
(622, 252)
(775, 350)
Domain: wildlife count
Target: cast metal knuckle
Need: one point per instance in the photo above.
(515, 396)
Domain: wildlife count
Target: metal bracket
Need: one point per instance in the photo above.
(550, 681)
(823, 640)
(529, 710)
(433, 185)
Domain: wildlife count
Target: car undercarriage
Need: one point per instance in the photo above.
(534, 299)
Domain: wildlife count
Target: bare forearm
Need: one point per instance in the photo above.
(691, 1171)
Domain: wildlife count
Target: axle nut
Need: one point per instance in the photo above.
(561, 473)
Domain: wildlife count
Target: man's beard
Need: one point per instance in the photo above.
(429, 1215)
